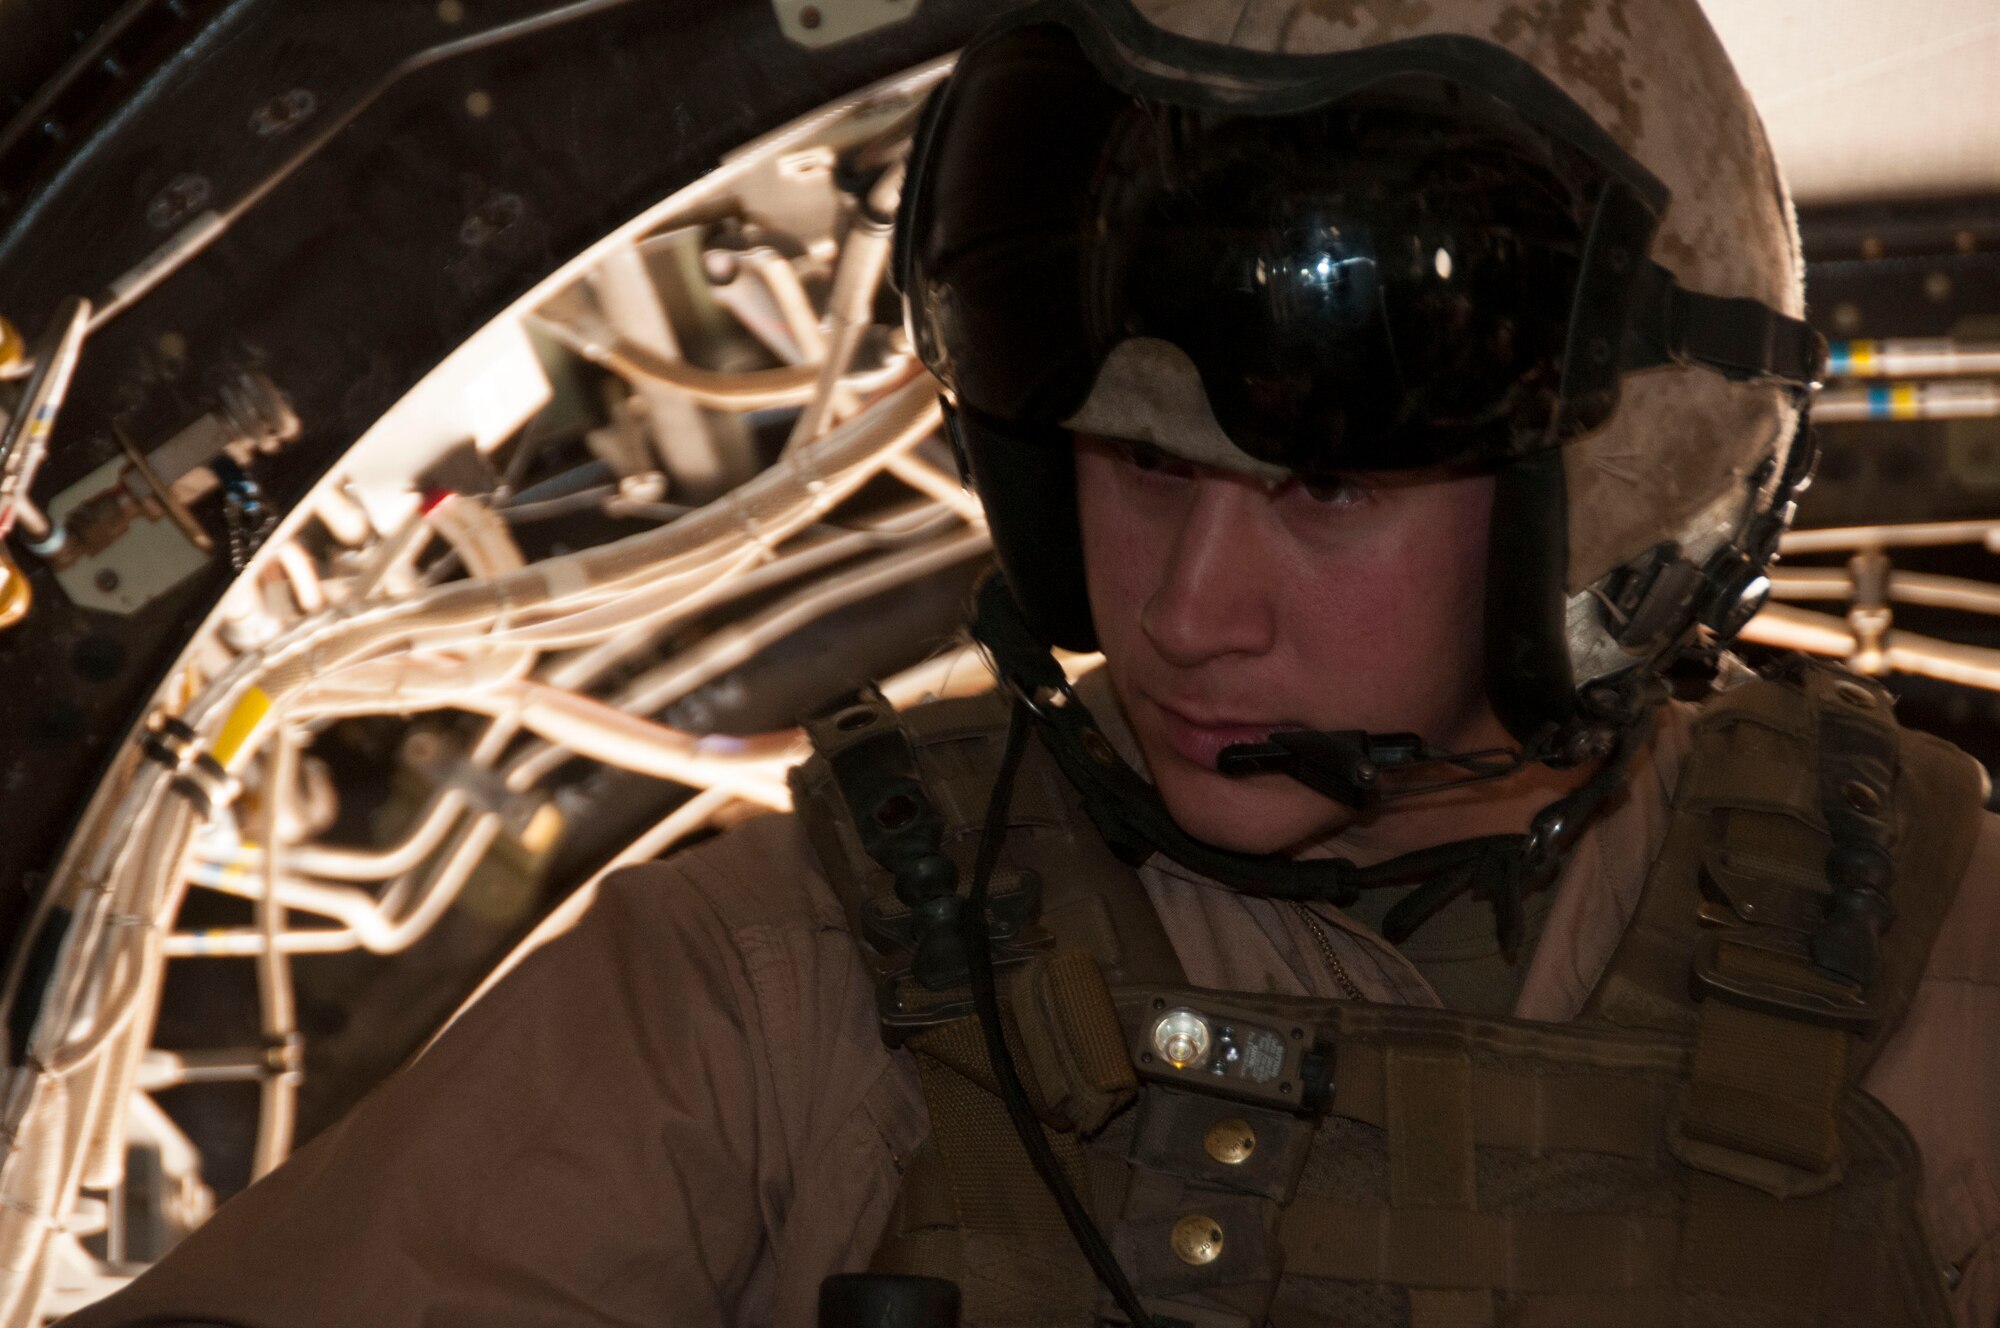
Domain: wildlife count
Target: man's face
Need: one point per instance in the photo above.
(1226, 608)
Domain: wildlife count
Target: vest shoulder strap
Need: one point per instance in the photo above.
(1813, 850)
(894, 807)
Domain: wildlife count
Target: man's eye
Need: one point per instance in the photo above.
(1153, 461)
(1333, 492)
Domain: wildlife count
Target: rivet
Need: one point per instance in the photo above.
(283, 113)
(1861, 797)
(1855, 695)
(178, 201)
(1230, 1141)
(1197, 1240)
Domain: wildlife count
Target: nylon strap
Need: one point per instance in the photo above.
(1765, 1085)
(1430, 1308)
(1429, 1116)
(1524, 1110)
(1528, 1253)
(1750, 1246)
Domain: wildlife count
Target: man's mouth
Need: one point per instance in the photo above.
(1199, 735)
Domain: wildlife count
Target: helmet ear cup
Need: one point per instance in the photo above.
(1026, 477)
(1528, 677)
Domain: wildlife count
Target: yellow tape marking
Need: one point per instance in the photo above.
(242, 725)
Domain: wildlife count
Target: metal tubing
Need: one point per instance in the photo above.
(1914, 534)
(751, 389)
(850, 311)
(1911, 357)
(248, 942)
(788, 294)
(160, 1070)
(26, 439)
(726, 649)
(1925, 588)
(351, 864)
(1974, 400)
(1904, 652)
(276, 1002)
(1810, 582)
(935, 484)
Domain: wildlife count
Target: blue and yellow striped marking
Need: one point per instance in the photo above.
(1852, 359)
(1894, 401)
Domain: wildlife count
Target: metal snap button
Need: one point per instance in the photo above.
(1230, 1141)
(1197, 1240)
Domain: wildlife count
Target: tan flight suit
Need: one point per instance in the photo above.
(681, 1112)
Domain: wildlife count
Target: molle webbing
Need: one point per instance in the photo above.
(1494, 1172)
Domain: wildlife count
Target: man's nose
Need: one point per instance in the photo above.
(1213, 597)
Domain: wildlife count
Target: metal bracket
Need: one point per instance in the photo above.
(817, 23)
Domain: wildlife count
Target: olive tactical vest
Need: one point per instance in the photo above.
(1693, 1150)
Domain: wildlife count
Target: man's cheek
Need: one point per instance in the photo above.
(1120, 579)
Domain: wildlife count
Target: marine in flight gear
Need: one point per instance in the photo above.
(1302, 240)
(1099, 1109)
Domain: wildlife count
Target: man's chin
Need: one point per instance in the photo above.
(1260, 814)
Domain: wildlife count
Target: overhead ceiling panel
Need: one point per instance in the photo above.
(1873, 99)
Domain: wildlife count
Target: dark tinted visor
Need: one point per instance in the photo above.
(1381, 282)
(1409, 270)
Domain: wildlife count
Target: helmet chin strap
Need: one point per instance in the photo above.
(1350, 765)
(1136, 823)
